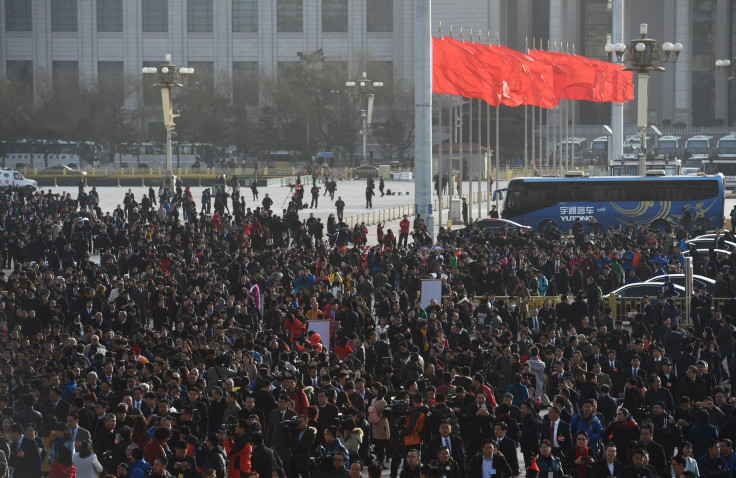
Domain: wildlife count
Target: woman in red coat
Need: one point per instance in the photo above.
(62, 466)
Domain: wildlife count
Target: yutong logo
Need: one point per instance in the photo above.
(570, 213)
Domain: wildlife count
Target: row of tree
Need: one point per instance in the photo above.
(299, 110)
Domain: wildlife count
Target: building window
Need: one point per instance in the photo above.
(21, 72)
(109, 15)
(245, 16)
(334, 15)
(66, 75)
(290, 15)
(246, 85)
(595, 18)
(110, 79)
(204, 75)
(18, 16)
(64, 15)
(380, 15)
(703, 58)
(155, 16)
(199, 16)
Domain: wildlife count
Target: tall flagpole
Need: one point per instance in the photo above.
(573, 116)
(526, 125)
(470, 151)
(481, 171)
(498, 147)
(423, 112)
(489, 158)
(570, 153)
(534, 157)
(440, 166)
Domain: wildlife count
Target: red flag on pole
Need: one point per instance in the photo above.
(456, 71)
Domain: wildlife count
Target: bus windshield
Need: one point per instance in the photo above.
(727, 146)
(697, 146)
(667, 146)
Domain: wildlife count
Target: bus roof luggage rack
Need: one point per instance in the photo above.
(575, 174)
(655, 172)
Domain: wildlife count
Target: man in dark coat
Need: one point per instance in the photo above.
(24, 459)
(262, 459)
(558, 432)
(530, 426)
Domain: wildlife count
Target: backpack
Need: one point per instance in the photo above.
(373, 416)
(425, 433)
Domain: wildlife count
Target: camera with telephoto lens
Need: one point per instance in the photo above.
(229, 426)
(322, 461)
(290, 425)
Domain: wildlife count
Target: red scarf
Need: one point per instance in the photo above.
(582, 470)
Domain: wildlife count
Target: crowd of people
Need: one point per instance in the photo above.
(186, 350)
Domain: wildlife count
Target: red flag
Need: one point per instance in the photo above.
(536, 79)
(574, 76)
(619, 84)
(456, 71)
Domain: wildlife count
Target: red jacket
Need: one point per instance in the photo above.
(62, 471)
(405, 226)
(239, 456)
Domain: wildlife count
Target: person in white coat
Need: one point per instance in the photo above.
(86, 462)
(536, 367)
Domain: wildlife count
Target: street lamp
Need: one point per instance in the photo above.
(367, 89)
(724, 66)
(641, 56)
(167, 77)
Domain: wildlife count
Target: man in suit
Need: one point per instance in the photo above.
(529, 427)
(24, 459)
(606, 406)
(558, 433)
(536, 325)
(273, 432)
(596, 356)
(612, 368)
(635, 370)
(299, 441)
(453, 443)
(478, 418)
(79, 434)
(57, 406)
(657, 458)
(507, 447)
(669, 379)
(692, 386)
(556, 378)
(601, 378)
(263, 459)
(327, 411)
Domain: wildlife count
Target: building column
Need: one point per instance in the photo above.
(683, 85)
(723, 52)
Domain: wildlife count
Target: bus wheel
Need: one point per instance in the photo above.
(545, 225)
(662, 226)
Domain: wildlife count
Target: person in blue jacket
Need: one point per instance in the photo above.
(586, 421)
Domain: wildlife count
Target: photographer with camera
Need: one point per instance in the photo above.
(180, 464)
(338, 468)
(299, 437)
(239, 455)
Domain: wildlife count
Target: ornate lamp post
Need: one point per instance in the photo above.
(366, 92)
(642, 56)
(168, 77)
